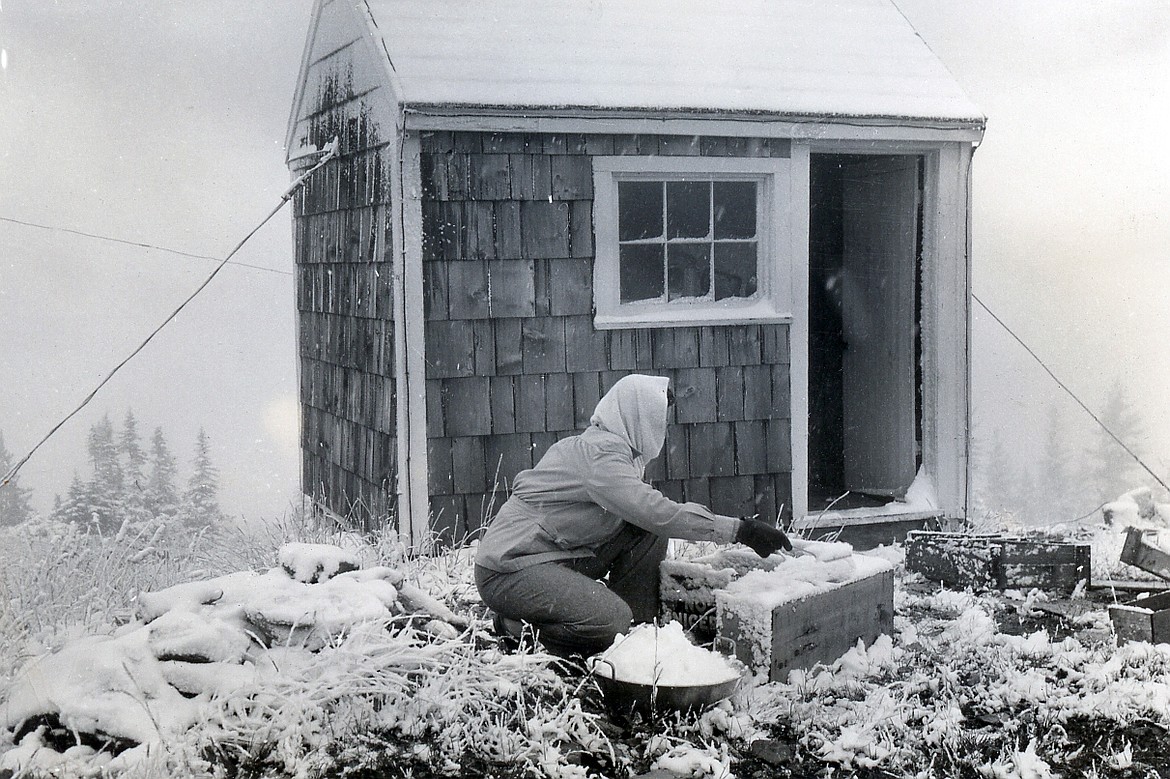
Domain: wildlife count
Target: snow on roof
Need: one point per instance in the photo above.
(839, 58)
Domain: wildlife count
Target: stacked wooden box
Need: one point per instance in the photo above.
(995, 561)
(1144, 619)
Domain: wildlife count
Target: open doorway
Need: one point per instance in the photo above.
(865, 399)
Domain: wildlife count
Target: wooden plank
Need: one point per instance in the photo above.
(695, 395)
(776, 348)
(1026, 564)
(467, 141)
(469, 469)
(479, 219)
(585, 347)
(581, 228)
(544, 345)
(677, 453)
(572, 177)
(757, 392)
(729, 394)
(522, 186)
(480, 507)
(745, 345)
(675, 347)
(440, 476)
(781, 392)
(509, 346)
(714, 146)
(530, 411)
(451, 236)
(541, 443)
(545, 229)
(1141, 550)
(558, 402)
(766, 504)
(599, 144)
(713, 347)
(679, 145)
(542, 287)
(436, 141)
(504, 143)
(434, 176)
(623, 355)
(1145, 619)
(586, 393)
(507, 455)
(733, 495)
(490, 177)
(751, 447)
(467, 289)
(956, 559)
(541, 177)
(712, 449)
(779, 440)
(698, 490)
(570, 287)
(503, 403)
(483, 335)
(458, 176)
(450, 349)
(509, 235)
(512, 288)
(467, 406)
(447, 524)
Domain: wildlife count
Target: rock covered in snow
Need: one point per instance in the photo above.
(311, 563)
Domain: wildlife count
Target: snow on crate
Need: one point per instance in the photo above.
(829, 591)
(193, 644)
(662, 656)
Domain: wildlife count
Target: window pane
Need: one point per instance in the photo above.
(735, 270)
(735, 209)
(639, 210)
(688, 270)
(641, 271)
(688, 209)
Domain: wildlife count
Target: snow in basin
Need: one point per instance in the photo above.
(316, 562)
(664, 656)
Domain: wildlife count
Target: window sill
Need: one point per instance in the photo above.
(758, 313)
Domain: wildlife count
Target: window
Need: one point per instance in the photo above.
(681, 240)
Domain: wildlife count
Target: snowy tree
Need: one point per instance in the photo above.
(107, 488)
(1061, 478)
(1004, 486)
(201, 500)
(76, 507)
(133, 463)
(162, 494)
(1112, 470)
(15, 506)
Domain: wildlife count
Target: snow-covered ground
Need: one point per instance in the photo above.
(341, 654)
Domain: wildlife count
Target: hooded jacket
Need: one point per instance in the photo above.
(586, 486)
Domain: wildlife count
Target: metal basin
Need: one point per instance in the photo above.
(623, 695)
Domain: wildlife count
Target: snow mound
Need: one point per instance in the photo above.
(662, 656)
(310, 563)
(151, 681)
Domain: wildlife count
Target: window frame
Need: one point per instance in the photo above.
(777, 256)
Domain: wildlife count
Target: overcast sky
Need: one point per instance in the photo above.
(164, 123)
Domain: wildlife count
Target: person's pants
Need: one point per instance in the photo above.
(572, 611)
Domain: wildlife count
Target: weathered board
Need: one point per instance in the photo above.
(818, 628)
(1146, 619)
(993, 561)
(1138, 551)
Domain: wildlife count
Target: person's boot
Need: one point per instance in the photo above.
(509, 631)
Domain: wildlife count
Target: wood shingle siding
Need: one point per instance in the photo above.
(512, 352)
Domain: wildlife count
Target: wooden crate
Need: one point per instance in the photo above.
(687, 587)
(1147, 619)
(817, 628)
(1138, 551)
(993, 561)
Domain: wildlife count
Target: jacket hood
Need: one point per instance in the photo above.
(634, 409)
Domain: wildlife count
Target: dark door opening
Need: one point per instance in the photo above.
(865, 248)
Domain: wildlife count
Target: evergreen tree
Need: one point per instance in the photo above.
(76, 507)
(106, 492)
(133, 461)
(1003, 491)
(1061, 477)
(15, 506)
(1112, 470)
(201, 500)
(162, 495)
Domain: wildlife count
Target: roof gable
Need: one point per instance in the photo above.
(823, 58)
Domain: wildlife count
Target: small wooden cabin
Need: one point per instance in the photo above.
(767, 201)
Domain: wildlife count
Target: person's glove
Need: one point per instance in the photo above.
(764, 539)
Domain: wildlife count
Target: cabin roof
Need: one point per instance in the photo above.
(815, 58)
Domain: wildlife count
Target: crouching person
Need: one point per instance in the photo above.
(576, 548)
